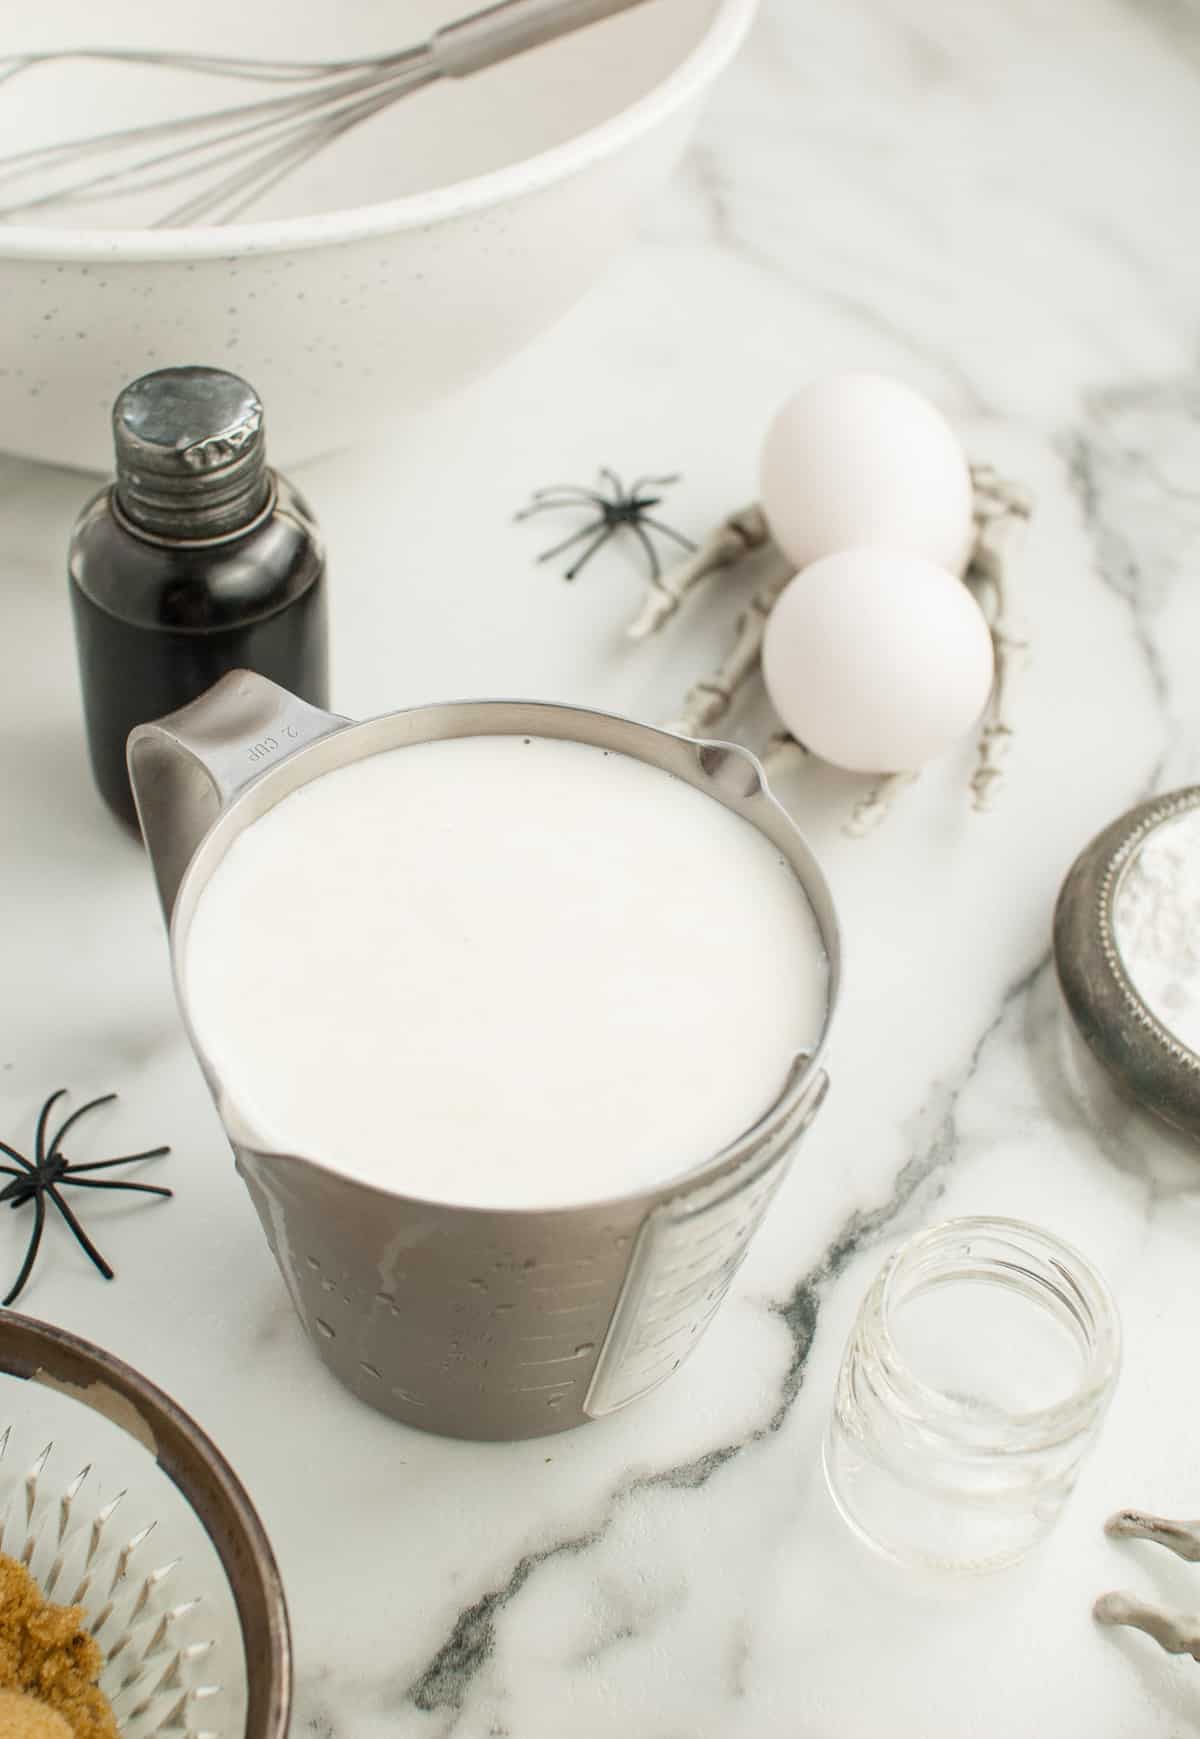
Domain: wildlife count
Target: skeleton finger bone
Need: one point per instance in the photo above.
(711, 698)
(995, 735)
(1178, 1633)
(783, 754)
(1182, 1538)
(1002, 509)
(733, 538)
(876, 805)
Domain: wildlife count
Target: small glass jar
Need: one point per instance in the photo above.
(974, 1382)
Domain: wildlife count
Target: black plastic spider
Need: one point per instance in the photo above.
(617, 507)
(35, 1179)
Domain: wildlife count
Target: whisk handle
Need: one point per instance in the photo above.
(499, 32)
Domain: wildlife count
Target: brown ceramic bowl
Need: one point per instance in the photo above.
(119, 1503)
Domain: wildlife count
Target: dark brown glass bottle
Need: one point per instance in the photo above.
(198, 560)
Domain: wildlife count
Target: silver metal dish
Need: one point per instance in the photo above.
(1127, 950)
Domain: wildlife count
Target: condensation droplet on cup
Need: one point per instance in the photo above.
(324, 1328)
(584, 1348)
(369, 1370)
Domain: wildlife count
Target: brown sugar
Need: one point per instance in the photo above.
(47, 1653)
(23, 1717)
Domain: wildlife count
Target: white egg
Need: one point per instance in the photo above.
(877, 661)
(860, 459)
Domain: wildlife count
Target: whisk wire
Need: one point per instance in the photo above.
(252, 119)
(313, 118)
(294, 144)
(214, 65)
(243, 149)
(237, 192)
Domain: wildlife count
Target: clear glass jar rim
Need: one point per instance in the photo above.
(1041, 1425)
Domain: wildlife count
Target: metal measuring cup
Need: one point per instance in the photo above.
(471, 1322)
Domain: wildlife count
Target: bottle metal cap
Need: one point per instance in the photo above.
(191, 459)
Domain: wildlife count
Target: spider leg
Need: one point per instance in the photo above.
(651, 552)
(586, 531)
(614, 483)
(653, 483)
(39, 1150)
(73, 1119)
(85, 1242)
(126, 1159)
(600, 538)
(559, 506)
(567, 489)
(25, 1164)
(668, 531)
(96, 1183)
(35, 1240)
(561, 497)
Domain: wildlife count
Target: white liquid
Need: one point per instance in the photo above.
(503, 972)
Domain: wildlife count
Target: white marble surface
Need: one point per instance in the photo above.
(996, 202)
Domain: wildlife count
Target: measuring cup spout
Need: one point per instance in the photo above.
(185, 768)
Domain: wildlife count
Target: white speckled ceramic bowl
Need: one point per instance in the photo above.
(416, 253)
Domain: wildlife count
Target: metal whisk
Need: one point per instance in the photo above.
(238, 152)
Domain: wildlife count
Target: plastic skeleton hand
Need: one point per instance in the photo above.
(1178, 1633)
(1001, 510)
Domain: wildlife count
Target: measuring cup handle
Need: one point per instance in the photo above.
(185, 768)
